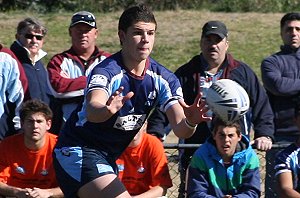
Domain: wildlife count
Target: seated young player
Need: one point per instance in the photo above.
(224, 166)
(26, 168)
(143, 166)
(287, 166)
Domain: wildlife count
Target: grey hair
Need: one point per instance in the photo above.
(31, 24)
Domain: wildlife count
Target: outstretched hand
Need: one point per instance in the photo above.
(196, 113)
(116, 101)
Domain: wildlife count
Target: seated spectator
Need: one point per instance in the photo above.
(26, 168)
(224, 166)
(287, 166)
(143, 166)
(12, 89)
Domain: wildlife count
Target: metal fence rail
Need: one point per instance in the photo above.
(266, 167)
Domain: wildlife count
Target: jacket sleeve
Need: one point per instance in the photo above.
(250, 185)
(61, 83)
(276, 81)
(261, 113)
(197, 184)
(23, 77)
(14, 88)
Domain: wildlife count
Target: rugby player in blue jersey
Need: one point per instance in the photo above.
(121, 92)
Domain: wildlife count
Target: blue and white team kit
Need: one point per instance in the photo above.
(82, 143)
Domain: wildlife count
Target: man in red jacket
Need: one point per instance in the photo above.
(68, 70)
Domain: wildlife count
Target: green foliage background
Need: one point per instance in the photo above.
(252, 36)
(116, 5)
(253, 25)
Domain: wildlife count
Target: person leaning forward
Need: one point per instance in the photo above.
(121, 92)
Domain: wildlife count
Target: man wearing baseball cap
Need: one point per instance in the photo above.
(68, 70)
(213, 63)
(215, 27)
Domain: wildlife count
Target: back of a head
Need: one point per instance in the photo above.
(32, 25)
(134, 14)
(291, 16)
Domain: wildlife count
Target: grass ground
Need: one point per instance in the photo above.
(252, 36)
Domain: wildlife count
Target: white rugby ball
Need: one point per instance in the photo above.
(227, 99)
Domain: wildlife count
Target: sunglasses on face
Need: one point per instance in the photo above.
(30, 36)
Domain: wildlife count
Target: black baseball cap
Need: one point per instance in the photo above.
(83, 17)
(215, 27)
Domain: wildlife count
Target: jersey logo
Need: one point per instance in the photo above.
(44, 172)
(141, 169)
(20, 170)
(121, 167)
(98, 80)
(132, 110)
(179, 92)
(65, 152)
(152, 95)
(130, 122)
(104, 168)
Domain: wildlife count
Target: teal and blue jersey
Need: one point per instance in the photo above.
(209, 177)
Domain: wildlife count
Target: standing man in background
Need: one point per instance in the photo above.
(213, 63)
(281, 78)
(68, 70)
(28, 49)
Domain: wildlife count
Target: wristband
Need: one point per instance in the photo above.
(189, 125)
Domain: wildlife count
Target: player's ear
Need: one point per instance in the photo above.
(121, 35)
(240, 136)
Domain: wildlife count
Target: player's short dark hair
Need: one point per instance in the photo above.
(217, 122)
(134, 14)
(291, 16)
(35, 106)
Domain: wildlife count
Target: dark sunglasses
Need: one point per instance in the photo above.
(30, 36)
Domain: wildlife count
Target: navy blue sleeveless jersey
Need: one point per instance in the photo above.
(157, 86)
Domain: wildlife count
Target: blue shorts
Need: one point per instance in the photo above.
(76, 166)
